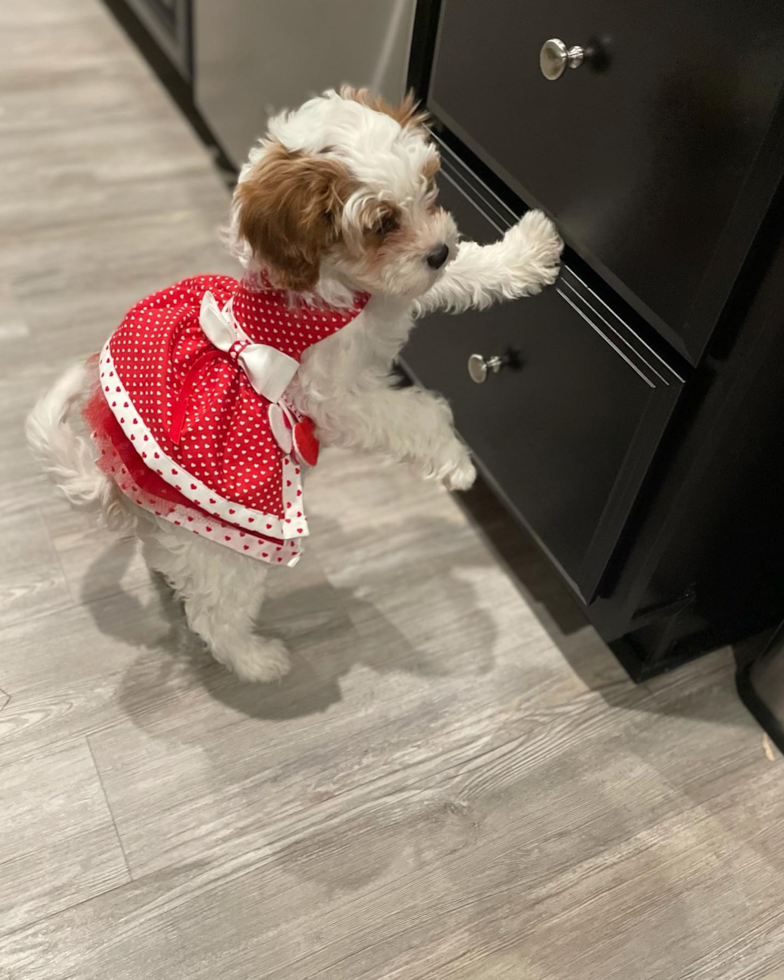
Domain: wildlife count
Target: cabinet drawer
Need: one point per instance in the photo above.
(658, 165)
(567, 430)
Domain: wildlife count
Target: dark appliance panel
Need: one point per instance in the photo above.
(566, 430)
(644, 153)
(170, 23)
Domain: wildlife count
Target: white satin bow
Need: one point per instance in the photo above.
(269, 370)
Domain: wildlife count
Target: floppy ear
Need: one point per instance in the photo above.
(289, 212)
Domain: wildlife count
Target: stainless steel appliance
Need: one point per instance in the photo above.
(251, 57)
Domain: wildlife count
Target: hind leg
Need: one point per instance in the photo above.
(222, 592)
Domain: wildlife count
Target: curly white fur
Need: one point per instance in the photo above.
(344, 383)
(221, 592)
(525, 260)
(66, 453)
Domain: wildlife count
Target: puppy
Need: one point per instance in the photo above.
(207, 405)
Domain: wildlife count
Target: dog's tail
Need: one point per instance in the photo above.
(66, 455)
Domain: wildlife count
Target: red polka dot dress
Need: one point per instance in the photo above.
(190, 415)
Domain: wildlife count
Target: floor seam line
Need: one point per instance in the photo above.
(109, 808)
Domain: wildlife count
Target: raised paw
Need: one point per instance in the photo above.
(461, 475)
(534, 252)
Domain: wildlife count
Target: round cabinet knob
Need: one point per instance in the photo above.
(555, 58)
(478, 367)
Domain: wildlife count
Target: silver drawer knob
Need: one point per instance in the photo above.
(478, 367)
(555, 58)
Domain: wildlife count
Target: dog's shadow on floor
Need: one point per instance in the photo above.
(329, 631)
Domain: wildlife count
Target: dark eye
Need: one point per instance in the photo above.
(387, 223)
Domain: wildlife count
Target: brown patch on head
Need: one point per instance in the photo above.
(289, 213)
(407, 113)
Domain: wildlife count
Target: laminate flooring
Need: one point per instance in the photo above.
(456, 781)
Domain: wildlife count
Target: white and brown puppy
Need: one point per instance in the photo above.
(338, 198)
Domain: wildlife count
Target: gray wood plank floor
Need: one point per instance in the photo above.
(456, 781)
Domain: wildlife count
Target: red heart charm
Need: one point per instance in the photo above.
(305, 442)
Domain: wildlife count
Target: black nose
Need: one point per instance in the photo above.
(438, 256)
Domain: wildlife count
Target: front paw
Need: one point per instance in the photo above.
(459, 474)
(535, 252)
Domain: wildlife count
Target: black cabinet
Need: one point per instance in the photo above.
(637, 426)
(653, 156)
(568, 427)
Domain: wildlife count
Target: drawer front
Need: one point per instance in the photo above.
(566, 431)
(642, 159)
